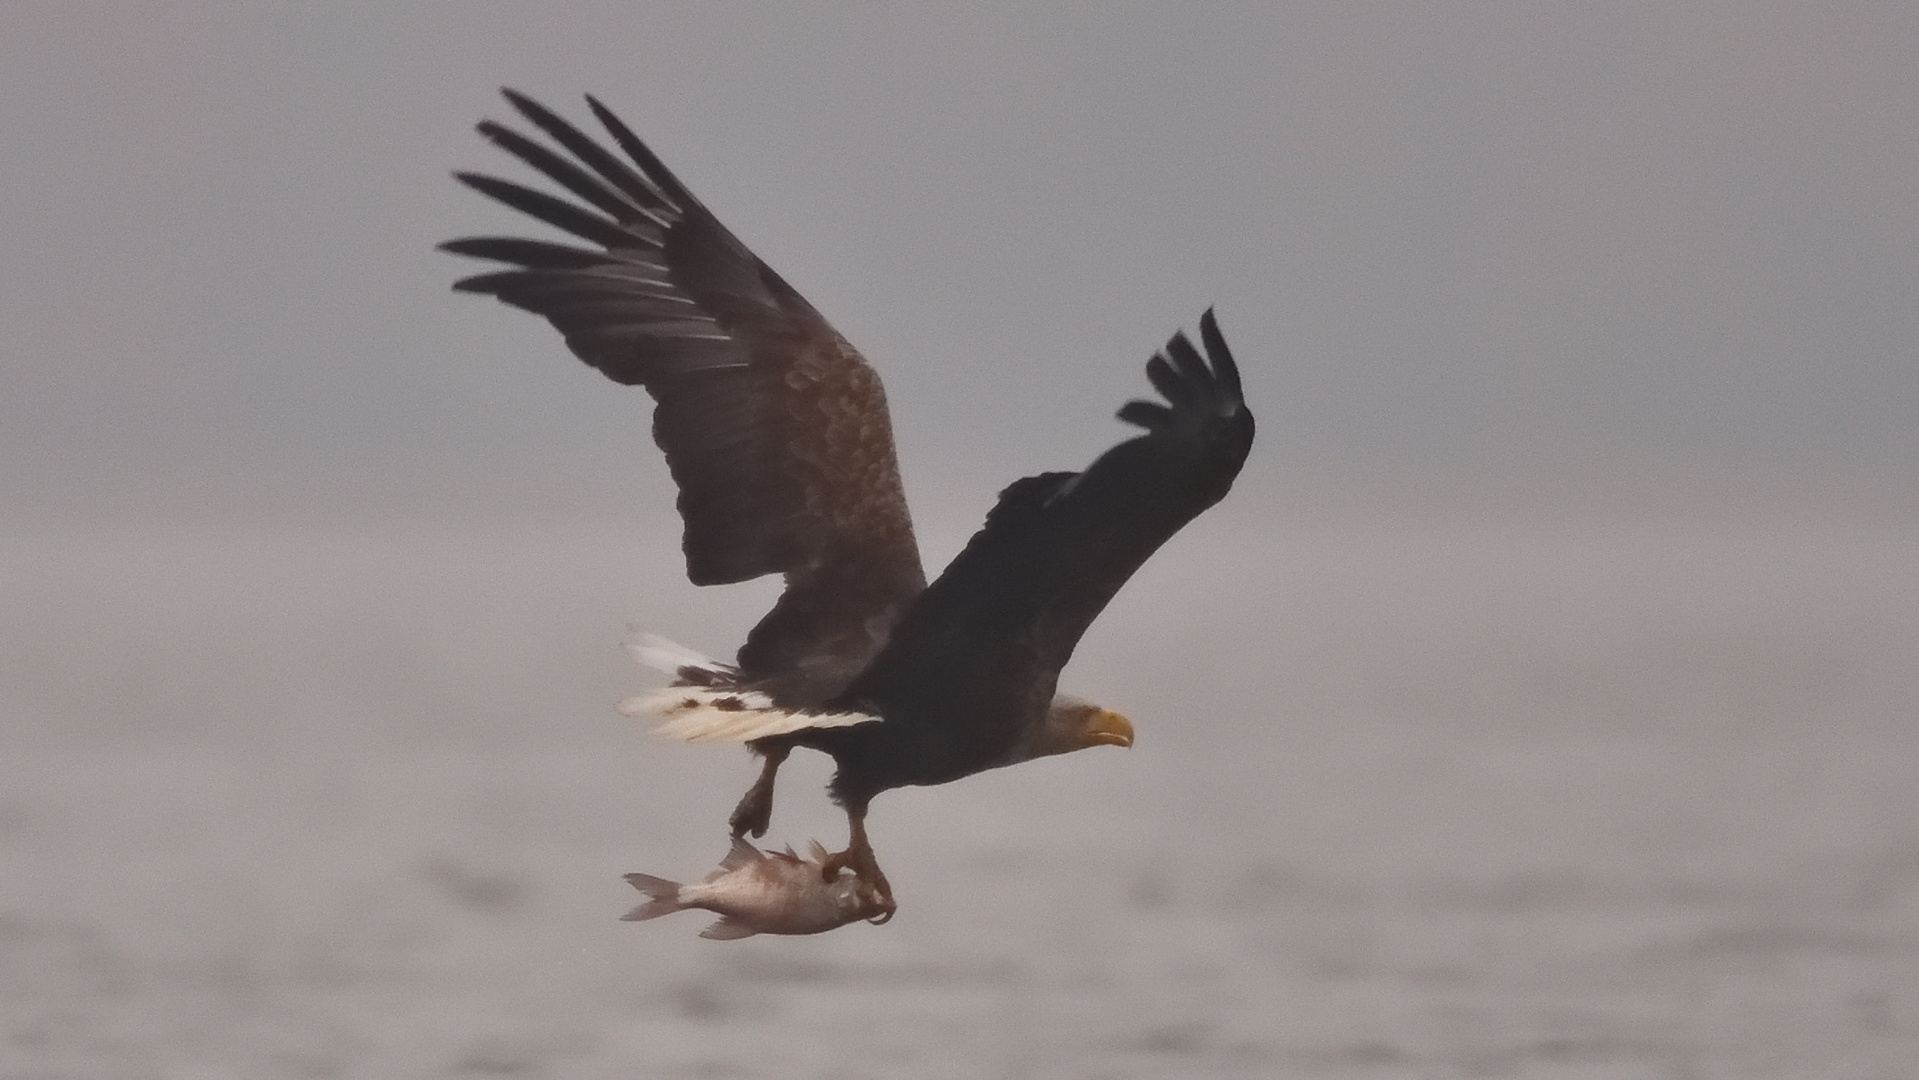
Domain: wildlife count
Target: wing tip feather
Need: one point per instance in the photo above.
(1225, 368)
(1188, 379)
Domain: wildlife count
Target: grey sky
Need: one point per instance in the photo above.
(1448, 240)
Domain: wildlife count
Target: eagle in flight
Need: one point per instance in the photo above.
(776, 432)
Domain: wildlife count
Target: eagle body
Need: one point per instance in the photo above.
(777, 435)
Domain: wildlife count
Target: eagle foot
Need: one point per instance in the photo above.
(875, 890)
(755, 811)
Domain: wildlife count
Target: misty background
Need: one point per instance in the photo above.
(1540, 703)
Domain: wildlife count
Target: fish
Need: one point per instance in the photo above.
(766, 892)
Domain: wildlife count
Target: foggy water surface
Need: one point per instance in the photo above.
(1626, 799)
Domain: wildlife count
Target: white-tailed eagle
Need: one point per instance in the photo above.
(777, 434)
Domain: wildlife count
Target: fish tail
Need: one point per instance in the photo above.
(663, 897)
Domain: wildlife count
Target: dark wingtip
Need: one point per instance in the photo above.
(540, 115)
(478, 283)
(1147, 414)
(1188, 362)
(522, 103)
(477, 181)
(1224, 365)
(1188, 380)
(642, 155)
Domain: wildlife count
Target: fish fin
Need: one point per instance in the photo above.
(663, 897)
(728, 929)
(816, 852)
(742, 853)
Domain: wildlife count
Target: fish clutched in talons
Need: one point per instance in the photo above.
(867, 872)
(767, 892)
(858, 857)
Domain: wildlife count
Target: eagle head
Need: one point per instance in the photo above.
(1071, 723)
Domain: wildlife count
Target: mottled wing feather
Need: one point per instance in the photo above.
(775, 430)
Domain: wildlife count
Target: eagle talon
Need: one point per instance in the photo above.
(877, 899)
(752, 816)
(858, 857)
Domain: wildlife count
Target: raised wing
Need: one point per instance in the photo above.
(998, 625)
(774, 428)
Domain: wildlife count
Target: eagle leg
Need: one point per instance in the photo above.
(755, 811)
(859, 856)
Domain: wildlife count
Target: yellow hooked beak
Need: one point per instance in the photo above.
(1104, 727)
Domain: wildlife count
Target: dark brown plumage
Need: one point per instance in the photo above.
(776, 432)
(775, 429)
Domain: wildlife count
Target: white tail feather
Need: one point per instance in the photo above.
(668, 657)
(714, 713)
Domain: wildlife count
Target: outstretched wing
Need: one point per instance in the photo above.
(998, 625)
(774, 428)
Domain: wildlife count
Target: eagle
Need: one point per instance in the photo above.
(777, 435)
